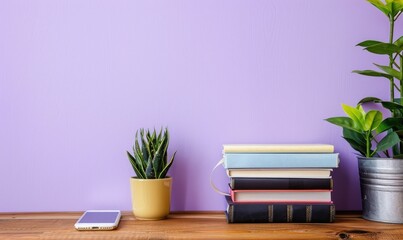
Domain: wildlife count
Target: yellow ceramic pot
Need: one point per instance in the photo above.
(151, 198)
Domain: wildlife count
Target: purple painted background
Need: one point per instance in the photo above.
(78, 78)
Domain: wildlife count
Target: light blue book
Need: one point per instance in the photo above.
(281, 160)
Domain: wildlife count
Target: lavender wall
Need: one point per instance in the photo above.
(77, 78)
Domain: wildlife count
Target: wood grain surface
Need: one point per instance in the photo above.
(191, 225)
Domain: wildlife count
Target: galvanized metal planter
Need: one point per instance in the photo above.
(381, 182)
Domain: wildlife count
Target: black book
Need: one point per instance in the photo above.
(279, 213)
(280, 183)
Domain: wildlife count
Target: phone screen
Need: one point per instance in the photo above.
(99, 217)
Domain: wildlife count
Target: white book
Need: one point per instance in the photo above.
(280, 173)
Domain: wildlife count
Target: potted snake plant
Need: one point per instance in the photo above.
(151, 188)
(378, 139)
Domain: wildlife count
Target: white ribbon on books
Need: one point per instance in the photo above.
(215, 188)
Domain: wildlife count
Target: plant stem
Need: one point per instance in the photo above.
(392, 87)
(401, 95)
(368, 140)
(401, 79)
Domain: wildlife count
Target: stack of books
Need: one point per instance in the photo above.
(280, 183)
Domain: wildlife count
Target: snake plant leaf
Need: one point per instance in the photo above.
(145, 148)
(160, 134)
(381, 6)
(166, 168)
(139, 173)
(150, 142)
(390, 71)
(158, 140)
(148, 139)
(387, 142)
(150, 153)
(136, 147)
(159, 154)
(383, 48)
(154, 141)
(372, 73)
(139, 159)
(141, 162)
(150, 174)
(344, 122)
(355, 114)
(165, 158)
(372, 120)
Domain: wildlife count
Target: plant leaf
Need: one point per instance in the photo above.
(369, 99)
(138, 172)
(372, 120)
(399, 42)
(356, 140)
(355, 114)
(368, 43)
(150, 174)
(387, 142)
(390, 71)
(372, 73)
(344, 122)
(165, 157)
(395, 123)
(166, 168)
(381, 6)
(383, 48)
(399, 156)
(159, 154)
(145, 149)
(141, 162)
(358, 137)
(399, 133)
(355, 145)
(393, 107)
(394, 6)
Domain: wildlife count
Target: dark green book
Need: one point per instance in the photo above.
(279, 213)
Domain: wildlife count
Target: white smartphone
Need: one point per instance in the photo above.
(98, 220)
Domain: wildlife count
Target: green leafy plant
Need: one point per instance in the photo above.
(150, 158)
(364, 130)
(361, 129)
(393, 49)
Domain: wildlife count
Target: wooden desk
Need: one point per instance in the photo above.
(209, 225)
